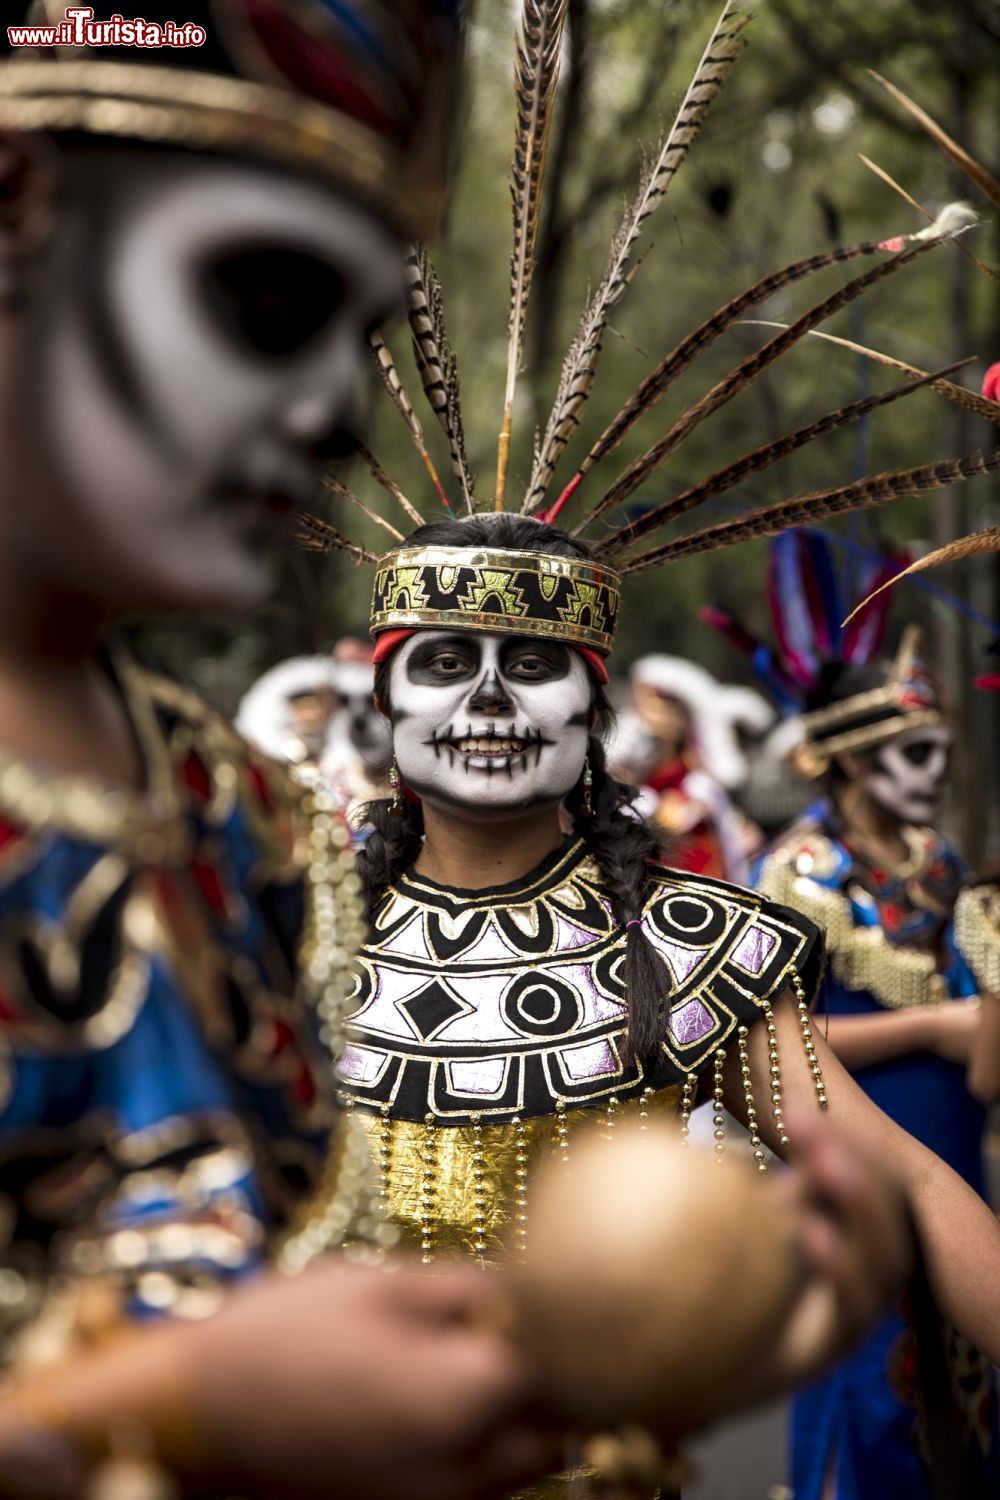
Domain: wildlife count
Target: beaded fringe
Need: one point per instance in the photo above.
(774, 1065)
(561, 1131)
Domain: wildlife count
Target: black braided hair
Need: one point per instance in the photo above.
(622, 844)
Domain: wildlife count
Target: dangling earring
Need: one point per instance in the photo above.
(587, 806)
(394, 781)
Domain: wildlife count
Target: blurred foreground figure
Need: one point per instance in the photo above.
(193, 245)
(908, 1016)
(679, 741)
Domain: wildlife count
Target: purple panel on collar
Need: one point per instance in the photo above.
(754, 949)
(690, 1022)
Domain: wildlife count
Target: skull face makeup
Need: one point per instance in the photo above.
(366, 730)
(188, 362)
(491, 724)
(906, 776)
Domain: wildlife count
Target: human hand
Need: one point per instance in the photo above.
(856, 1242)
(368, 1385)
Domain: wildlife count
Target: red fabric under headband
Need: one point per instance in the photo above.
(388, 640)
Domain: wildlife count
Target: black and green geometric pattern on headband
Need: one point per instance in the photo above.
(513, 593)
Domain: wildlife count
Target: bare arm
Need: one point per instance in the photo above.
(961, 1234)
(948, 1030)
(860, 1041)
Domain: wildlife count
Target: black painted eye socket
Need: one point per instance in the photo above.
(919, 752)
(271, 300)
(529, 668)
(541, 662)
(448, 665)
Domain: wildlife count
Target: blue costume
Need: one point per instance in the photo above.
(894, 941)
(165, 1102)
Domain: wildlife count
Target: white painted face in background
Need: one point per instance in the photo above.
(366, 729)
(907, 775)
(489, 723)
(190, 364)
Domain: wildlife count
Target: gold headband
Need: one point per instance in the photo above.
(484, 588)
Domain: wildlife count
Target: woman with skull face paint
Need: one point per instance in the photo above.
(904, 1016)
(517, 981)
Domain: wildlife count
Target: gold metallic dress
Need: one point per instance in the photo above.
(487, 1025)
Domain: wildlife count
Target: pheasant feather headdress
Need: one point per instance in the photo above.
(576, 598)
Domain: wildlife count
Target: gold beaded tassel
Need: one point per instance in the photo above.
(802, 1005)
(687, 1105)
(562, 1131)
(775, 1069)
(520, 1188)
(479, 1188)
(427, 1192)
(644, 1099)
(752, 1128)
(610, 1114)
(718, 1118)
(384, 1161)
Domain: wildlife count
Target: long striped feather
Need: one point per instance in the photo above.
(739, 378)
(805, 510)
(436, 359)
(960, 395)
(973, 169)
(580, 365)
(337, 487)
(890, 181)
(692, 346)
(319, 536)
(377, 472)
(974, 545)
(535, 75)
(389, 376)
(762, 458)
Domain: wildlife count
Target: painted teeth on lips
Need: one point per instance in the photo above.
(483, 746)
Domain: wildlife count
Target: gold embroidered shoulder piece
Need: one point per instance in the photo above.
(809, 871)
(977, 933)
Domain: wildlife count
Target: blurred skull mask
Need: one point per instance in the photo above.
(367, 730)
(907, 775)
(186, 361)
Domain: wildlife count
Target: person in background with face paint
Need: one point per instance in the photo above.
(355, 759)
(194, 243)
(679, 742)
(907, 1017)
(286, 713)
